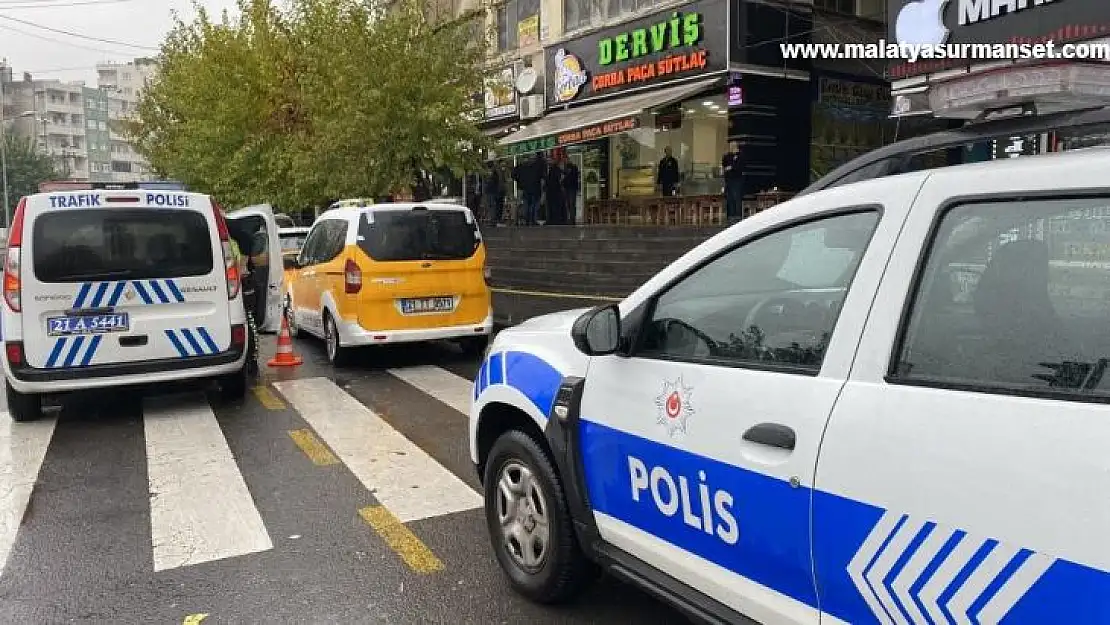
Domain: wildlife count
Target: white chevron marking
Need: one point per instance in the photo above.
(944, 575)
(886, 561)
(1015, 588)
(859, 562)
(978, 581)
(915, 567)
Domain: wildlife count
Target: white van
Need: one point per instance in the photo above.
(121, 287)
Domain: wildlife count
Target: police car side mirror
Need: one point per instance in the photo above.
(598, 331)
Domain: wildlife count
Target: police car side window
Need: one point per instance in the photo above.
(772, 302)
(1013, 297)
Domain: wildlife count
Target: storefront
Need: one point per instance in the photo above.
(619, 98)
(963, 91)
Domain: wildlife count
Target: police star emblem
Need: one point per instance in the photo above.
(673, 407)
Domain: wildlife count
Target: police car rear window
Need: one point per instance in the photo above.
(397, 235)
(120, 244)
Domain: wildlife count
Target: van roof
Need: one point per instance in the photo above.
(354, 211)
(92, 198)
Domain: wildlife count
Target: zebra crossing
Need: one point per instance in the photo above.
(201, 509)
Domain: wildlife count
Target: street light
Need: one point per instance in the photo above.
(4, 157)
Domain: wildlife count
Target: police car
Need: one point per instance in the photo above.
(110, 287)
(886, 402)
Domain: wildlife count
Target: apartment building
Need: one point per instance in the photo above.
(122, 85)
(58, 123)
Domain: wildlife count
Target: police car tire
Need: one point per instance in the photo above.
(566, 572)
(23, 406)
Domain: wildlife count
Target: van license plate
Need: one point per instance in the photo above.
(87, 324)
(427, 305)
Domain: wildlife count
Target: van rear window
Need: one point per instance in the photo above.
(397, 235)
(119, 244)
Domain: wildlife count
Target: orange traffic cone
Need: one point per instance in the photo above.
(285, 356)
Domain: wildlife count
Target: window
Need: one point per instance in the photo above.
(773, 301)
(92, 124)
(517, 23)
(578, 14)
(419, 234)
(115, 244)
(324, 242)
(1015, 295)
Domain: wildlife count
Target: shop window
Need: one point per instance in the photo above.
(518, 24)
(696, 131)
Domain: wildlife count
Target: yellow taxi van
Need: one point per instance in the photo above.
(378, 274)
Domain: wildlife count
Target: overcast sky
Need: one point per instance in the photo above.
(29, 45)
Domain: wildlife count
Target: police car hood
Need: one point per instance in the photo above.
(553, 322)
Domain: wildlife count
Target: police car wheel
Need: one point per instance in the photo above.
(529, 522)
(23, 406)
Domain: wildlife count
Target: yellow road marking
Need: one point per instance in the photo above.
(313, 447)
(411, 549)
(267, 398)
(194, 619)
(603, 298)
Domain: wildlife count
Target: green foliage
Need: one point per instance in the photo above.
(329, 99)
(27, 167)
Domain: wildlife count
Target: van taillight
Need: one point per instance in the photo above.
(12, 282)
(238, 335)
(352, 277)
(14, 352)
(231, 268)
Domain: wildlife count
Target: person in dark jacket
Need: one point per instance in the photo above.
(529, 176)
(572, 183)
(556, 201)
(732, 165)
(667, 176)
(493, 193)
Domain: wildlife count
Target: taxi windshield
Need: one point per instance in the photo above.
(418, 234)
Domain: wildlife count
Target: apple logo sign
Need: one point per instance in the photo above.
(921, 23)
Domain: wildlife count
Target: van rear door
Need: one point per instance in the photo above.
(259, 219)
(122, 276)
(427, 270)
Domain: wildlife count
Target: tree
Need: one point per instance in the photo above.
(331, 98)
(27, 167)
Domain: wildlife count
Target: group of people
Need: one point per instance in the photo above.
(668, 176)
(548, 187)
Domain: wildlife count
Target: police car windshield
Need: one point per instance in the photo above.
(421, 234)
(75, 246)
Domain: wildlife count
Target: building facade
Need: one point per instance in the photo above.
(123, 84)
(58, 123)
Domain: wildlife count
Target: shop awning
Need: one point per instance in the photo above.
(558, 129)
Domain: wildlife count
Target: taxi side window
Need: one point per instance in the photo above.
(772, 302)
(333, 236)
(309, 253)
(1013, 297)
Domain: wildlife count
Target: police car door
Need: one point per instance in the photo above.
(699, 447)
(964, 474)
(121, 276)
(262, 216)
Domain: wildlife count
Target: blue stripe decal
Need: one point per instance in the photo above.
(142, 292)
(900, 564)
(157, 288)
(879, 552)
(175, 291)
(172, 336)
(82, 293)
(52, 359)
(199, 351)
(116, 293)
(496, 369)
(533, 377)
(207, 338)
(996, 584)
(927, 574)
(99, 297)
(71, 355)
(91, 351)
(483, 375)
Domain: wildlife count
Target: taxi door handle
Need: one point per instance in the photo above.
(772, 435)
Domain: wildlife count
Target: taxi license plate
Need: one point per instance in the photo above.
(87, 324)
(427, 305)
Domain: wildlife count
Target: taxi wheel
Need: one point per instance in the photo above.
(337, 354)
(290, 318)
(23, 406)
(529, 522)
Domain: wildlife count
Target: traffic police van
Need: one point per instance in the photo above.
(886, 402)
(111, 287)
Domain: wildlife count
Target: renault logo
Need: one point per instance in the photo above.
(129, 294)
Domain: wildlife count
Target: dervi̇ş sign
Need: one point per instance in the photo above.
(990, 21)
(668, 46)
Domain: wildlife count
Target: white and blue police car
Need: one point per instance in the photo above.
(886, 402)
(118, 286)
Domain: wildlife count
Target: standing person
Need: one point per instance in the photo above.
(492, 191)
(667, 176)
(556, 202)
(530, 179)
(572, 184)
(732, 165)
